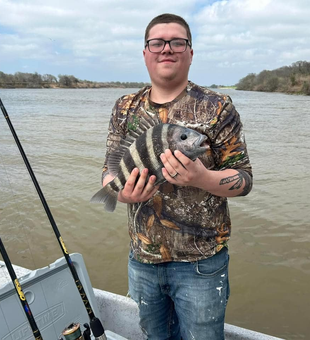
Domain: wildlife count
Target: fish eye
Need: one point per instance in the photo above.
(183, 136)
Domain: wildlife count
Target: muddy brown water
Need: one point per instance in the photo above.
(63, 134)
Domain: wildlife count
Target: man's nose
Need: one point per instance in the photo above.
(167, 48)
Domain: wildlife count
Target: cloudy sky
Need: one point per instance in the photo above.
(102, 40)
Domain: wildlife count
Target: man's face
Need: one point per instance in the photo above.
(168, 65)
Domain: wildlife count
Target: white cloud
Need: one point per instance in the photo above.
(256, 34)
(103, 39)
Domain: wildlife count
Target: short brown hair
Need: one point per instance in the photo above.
(167, 19)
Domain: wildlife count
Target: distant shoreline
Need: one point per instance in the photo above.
(80, 85)
(64, 87)
(294, 79)
(93, 86)
(21, 80)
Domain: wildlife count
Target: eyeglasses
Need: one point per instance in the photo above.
(176, 45)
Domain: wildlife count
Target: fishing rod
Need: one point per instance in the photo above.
(95, 324)
(36, 333)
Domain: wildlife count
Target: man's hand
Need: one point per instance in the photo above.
(181, 170)
(140, 192)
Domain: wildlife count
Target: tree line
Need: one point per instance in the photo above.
(36, 80)
(293, 79)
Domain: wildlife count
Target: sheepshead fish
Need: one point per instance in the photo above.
(142, 148)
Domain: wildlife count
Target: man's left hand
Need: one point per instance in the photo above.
(181, 170)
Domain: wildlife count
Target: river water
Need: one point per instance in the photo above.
(63, 133)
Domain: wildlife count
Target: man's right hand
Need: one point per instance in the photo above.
(140, 192)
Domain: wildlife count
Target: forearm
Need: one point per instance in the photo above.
(226, 183)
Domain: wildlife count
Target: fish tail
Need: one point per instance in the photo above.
(107, 196)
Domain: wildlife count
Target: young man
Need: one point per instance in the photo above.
(178, 264)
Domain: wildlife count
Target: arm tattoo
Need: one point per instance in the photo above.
(237, 181)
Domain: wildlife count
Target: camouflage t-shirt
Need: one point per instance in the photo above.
(183, 223)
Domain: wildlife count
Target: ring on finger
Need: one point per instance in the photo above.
(174, 175)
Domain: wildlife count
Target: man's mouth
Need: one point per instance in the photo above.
(167, 61)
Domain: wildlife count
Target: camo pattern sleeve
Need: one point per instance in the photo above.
(228, 142)
(229, 149)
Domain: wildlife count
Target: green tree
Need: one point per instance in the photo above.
(293, 79)
(306, 88)
(48, 78)
(272, 84)
(247, 83)
(67, 81)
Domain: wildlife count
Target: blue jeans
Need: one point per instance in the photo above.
(181, 299)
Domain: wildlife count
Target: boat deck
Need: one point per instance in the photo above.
(119, 314)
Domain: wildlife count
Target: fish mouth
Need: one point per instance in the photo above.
(201, 145)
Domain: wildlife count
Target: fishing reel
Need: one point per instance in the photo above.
(73, 332)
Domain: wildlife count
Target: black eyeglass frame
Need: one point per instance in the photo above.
(168, 42)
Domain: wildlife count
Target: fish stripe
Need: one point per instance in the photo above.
(114, 184)
(135, 157)
(152, 159)
(164, 137)
(159, 137)
(146, 153)
(128, 162)
(122, 179)
(117, 183)
(124, 172)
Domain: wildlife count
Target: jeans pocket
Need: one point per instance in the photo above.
(212, 266)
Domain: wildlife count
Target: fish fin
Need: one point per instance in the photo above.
(152, 118)
(145, 123)
(114, 160)
(107, 196)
